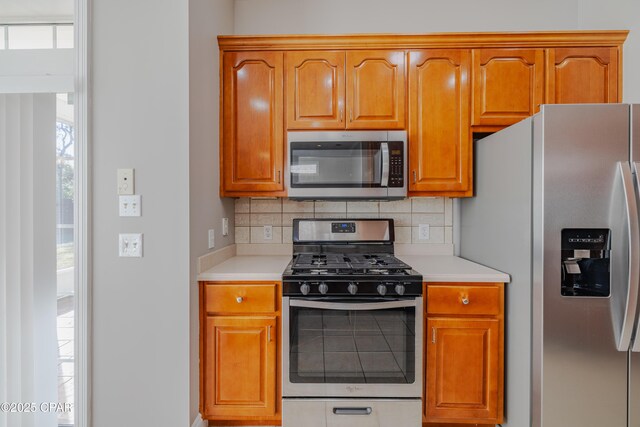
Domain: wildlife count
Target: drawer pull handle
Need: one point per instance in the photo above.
(352, 411)
(239, 299)
(465, 300)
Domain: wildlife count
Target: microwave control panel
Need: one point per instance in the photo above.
(396, 166)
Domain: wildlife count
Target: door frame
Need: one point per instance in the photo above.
(83, 273)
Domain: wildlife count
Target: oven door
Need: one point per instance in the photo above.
(364, 347)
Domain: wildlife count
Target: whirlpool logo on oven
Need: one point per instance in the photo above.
(353, 388)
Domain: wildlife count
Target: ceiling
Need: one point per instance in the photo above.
(27, 11)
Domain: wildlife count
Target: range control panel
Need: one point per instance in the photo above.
(343, 227)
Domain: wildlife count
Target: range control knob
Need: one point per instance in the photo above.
(305, 288)
(400, 289)
(352, 288)
(323, 288)
(382, 290)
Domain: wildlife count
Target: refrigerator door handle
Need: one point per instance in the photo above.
(632, 233)
(634, 259)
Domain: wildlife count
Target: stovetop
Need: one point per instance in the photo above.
(348, 264)
(338, 274)
(346, 258)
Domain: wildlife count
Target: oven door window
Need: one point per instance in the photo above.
(335, 164)
(352, 346)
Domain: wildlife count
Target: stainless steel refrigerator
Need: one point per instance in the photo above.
(556, 207)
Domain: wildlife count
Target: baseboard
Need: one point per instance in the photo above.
(199, 422)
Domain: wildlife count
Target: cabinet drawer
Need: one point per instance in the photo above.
(456, 299)
(240, 298)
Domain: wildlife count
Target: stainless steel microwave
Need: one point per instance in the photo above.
(346, 165)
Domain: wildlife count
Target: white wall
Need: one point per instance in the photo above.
(207, 19)
(426, 16)
(140, 119)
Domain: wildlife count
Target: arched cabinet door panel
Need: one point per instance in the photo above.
(440, 152)
(314, 84)
(376, 87)
(508, 85)
(580, 75)
(252, 127)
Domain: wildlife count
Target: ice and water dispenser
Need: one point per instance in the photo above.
(585, 262)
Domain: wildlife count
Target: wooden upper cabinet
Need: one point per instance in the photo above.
(508, 85)
(440, 152)
(314, 82)
(252, 126)
(376, 89)
(583, 75)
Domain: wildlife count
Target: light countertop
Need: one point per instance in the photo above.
(247, 268)
(434, 268)
(443, 268)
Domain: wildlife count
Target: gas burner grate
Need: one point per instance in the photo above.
(320, 261)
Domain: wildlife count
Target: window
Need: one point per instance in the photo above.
(36, 36)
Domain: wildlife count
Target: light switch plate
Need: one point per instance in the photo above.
(130, 205)
(125, 181)
(130, 245)
(423, 232)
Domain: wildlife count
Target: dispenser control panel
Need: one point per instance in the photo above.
(585, 262)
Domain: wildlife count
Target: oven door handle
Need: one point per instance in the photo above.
(384, 179)
(345, 306)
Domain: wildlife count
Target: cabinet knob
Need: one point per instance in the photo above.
(465, 300)
(239, 299)
(415, 178)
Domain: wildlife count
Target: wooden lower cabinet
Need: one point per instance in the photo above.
(240, 353)
(464, 354)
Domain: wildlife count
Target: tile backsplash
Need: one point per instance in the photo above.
(408, 214)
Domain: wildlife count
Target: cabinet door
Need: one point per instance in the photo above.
(440, 151)
(240, 367)
(314, 89)
(463, 362)
(508, 85)
(583, 75)
(376, 89)
(252, 135)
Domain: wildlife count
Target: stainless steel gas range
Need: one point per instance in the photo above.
(352, 328)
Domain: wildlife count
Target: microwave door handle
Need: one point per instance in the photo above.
(384, 179)
(345, 306)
